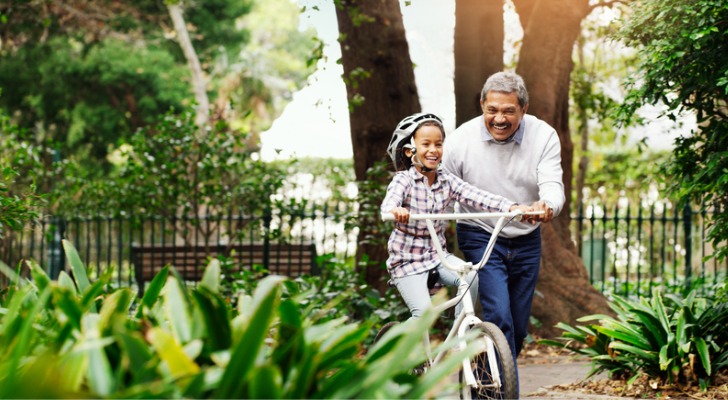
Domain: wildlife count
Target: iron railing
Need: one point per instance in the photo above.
(626, 250)
(107, 242)
(629, 250)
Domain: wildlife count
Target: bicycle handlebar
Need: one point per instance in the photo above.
(503, 219)
(451, 216)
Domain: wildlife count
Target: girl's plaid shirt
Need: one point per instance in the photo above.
(410, 247)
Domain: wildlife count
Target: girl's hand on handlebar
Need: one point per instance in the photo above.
(401, 214)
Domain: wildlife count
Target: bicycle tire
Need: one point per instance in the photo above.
(479, 363)
(385, 328)
(419, 370)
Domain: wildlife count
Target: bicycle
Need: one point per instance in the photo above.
(491, 372)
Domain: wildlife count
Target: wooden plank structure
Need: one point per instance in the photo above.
(289, 259)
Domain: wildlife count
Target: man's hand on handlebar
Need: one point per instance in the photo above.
(524, 209)
(401, 214)
(547, 216)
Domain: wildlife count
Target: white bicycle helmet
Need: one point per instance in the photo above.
(402, 136)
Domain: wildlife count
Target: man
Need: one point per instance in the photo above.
(509, 153)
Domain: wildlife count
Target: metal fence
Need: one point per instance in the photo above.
(108, 242)
(626, 250)
(629, 250)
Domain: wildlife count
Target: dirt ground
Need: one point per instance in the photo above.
(641, 388)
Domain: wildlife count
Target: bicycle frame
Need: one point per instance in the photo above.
(467, 317)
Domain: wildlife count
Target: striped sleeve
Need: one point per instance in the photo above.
(470, 195)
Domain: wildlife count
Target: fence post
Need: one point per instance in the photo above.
(267, 217)
(55, 250)
(688, 229)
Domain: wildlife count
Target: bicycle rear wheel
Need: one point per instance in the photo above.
(488, 387)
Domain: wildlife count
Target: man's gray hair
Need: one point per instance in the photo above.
(506, 82)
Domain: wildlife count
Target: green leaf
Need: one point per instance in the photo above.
(242, 360)
(214, 313)
(40, 278)
(172, 354)
(99, 374)
(704, 354)
(659, 310)
(211, 277)
(25, 333)
(265, 383)
(67, 302)
(153, 291)
(13, 277)
(653, 326)
(74, 368)
(646, 355)
(136, 353)
(91, 294)
(664, 360)
(176, 310)
(79, 272)
(66, 282)
(629, 336)
(115, 305)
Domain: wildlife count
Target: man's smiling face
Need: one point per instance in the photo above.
(502, 114)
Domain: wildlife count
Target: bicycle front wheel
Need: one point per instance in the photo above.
(489, 384)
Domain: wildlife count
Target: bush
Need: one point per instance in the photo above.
(16, 209)
(75, 338)
(670, 338)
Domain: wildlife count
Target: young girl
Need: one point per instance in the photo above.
(419, 187)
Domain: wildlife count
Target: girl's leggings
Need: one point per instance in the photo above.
(416, 295)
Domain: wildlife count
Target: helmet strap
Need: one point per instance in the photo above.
(416, 160)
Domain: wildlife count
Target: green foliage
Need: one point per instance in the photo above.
(628, 173)
(101, 70)
(371, 194)
(672, 338)
(169, 167)
(19, 202)
(683, 63)
(73, 338)
(273, 64)
(169, 170)
(16, 209)
(82, 99)
(337, 292)
(607, 165)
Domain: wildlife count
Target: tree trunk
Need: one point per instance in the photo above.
(479, 35)
(381, 90)
(545, 63)
(583, 117)
(198, 79)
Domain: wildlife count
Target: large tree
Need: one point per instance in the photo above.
(381, 90)
(476, 58)
(545, 62)
(550, 30)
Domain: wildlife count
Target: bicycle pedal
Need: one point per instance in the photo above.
(419, 370)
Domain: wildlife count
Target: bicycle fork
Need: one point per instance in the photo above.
(464, 322)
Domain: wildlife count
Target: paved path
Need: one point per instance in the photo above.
(536, 379)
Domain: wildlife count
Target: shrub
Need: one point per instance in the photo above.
(76, 338)
(671, 338)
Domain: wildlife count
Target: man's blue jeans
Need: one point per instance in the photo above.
(507, 281)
